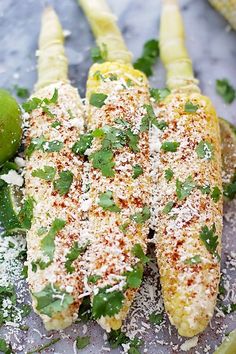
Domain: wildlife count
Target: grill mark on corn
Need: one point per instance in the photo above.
(189, 291)
(50, 205)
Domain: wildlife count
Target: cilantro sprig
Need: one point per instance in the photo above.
(36, 102)
(210, 239)
(48, 242)
(64, 182)
(183, 189)
(225, 90)
(106, 201)
(149, 56)
(52, 299)
(107, 303)
(150, 119)
(190, 107)
(47, 173)
(170, 146)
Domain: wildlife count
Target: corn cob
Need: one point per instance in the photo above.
(227, 8)
(187, 196)
(57, 236)
(119, 175)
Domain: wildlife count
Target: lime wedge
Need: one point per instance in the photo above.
(10, 126)
(229, 345)
(10, 202)
(228, 144)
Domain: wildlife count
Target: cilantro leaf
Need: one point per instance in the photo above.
(47, 243)
(156, 318)
(148, 58)
(216, 193)
(56, 124)
(159, 94)
(142, 216)
(230, 190)
(72, 255)
(99, 55)
(107, 303)
(93, 278)
(170, 146)
(137, 171)
(82, 342)
(134, 277)
(149, 119)
(169, 174)
(32, 104)
(138, 252)
(97, 99)
(205, 189)
(133, 140)
(190, 107)
(193, 260)
(103, 160)
(25, 215)
(225, 90)
(116, 338)
(205, 150)
(106, 201)
(83, 144)
(52, 299)
(21, 92)
(113, 138)
(35, 144)
(226, 309)
(209, 238)
(5, 347)
(124, 227)
(63, 183)
(168, 207)
(52, 146)
(47, 173)
(183, 189)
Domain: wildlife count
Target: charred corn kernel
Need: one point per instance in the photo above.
(53, 185)
(227, 8)
(119, 189)
(187, 173)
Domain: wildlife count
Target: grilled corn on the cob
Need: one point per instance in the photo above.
(227, 8)
(120, 181)
(187, 198)
(53, 185)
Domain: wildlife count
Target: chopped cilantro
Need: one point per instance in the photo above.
(82, 342)
(106, 201)
(124, 227)
(122, 122)
(85, 310)
(134, 277)
(156, 318)
(21, 92)
(93, 278)
(170, 146)
(103, 160)
(169, 174)
(137, 171)
(225, 90)
(41, 231)
(52, 146)
(138, 252)
(52, 299)
(205, 150)
(113, 77)
(205, 189)
(159, 94)
(142, 216)
(56, 124)
(72, 255)
(230, 190)
(5, 347)
(117, 338)
(113, 138)
(47, 243)
(168, 207)
(193, 260)
(132, 140)
(183, 189)
(25, 310)
(149, 119)
(47, 173)
(98, 76)
(41, 348)
(99, 55)
(107, 303)
(35, 144)
(48, 112)
(148, 58)
(84, 143)
(226, 309)
(25, 215)
(97, 99)
(63, 183)
(190, 107)
(36, 102)
(216, 193)
(39, 263)
(210, 239)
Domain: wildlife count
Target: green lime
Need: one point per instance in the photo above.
(228, 144)
(10, 126)
(229, 345)
(10, 202)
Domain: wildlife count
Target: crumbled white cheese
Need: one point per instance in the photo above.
(12, 177)
(188, 344)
